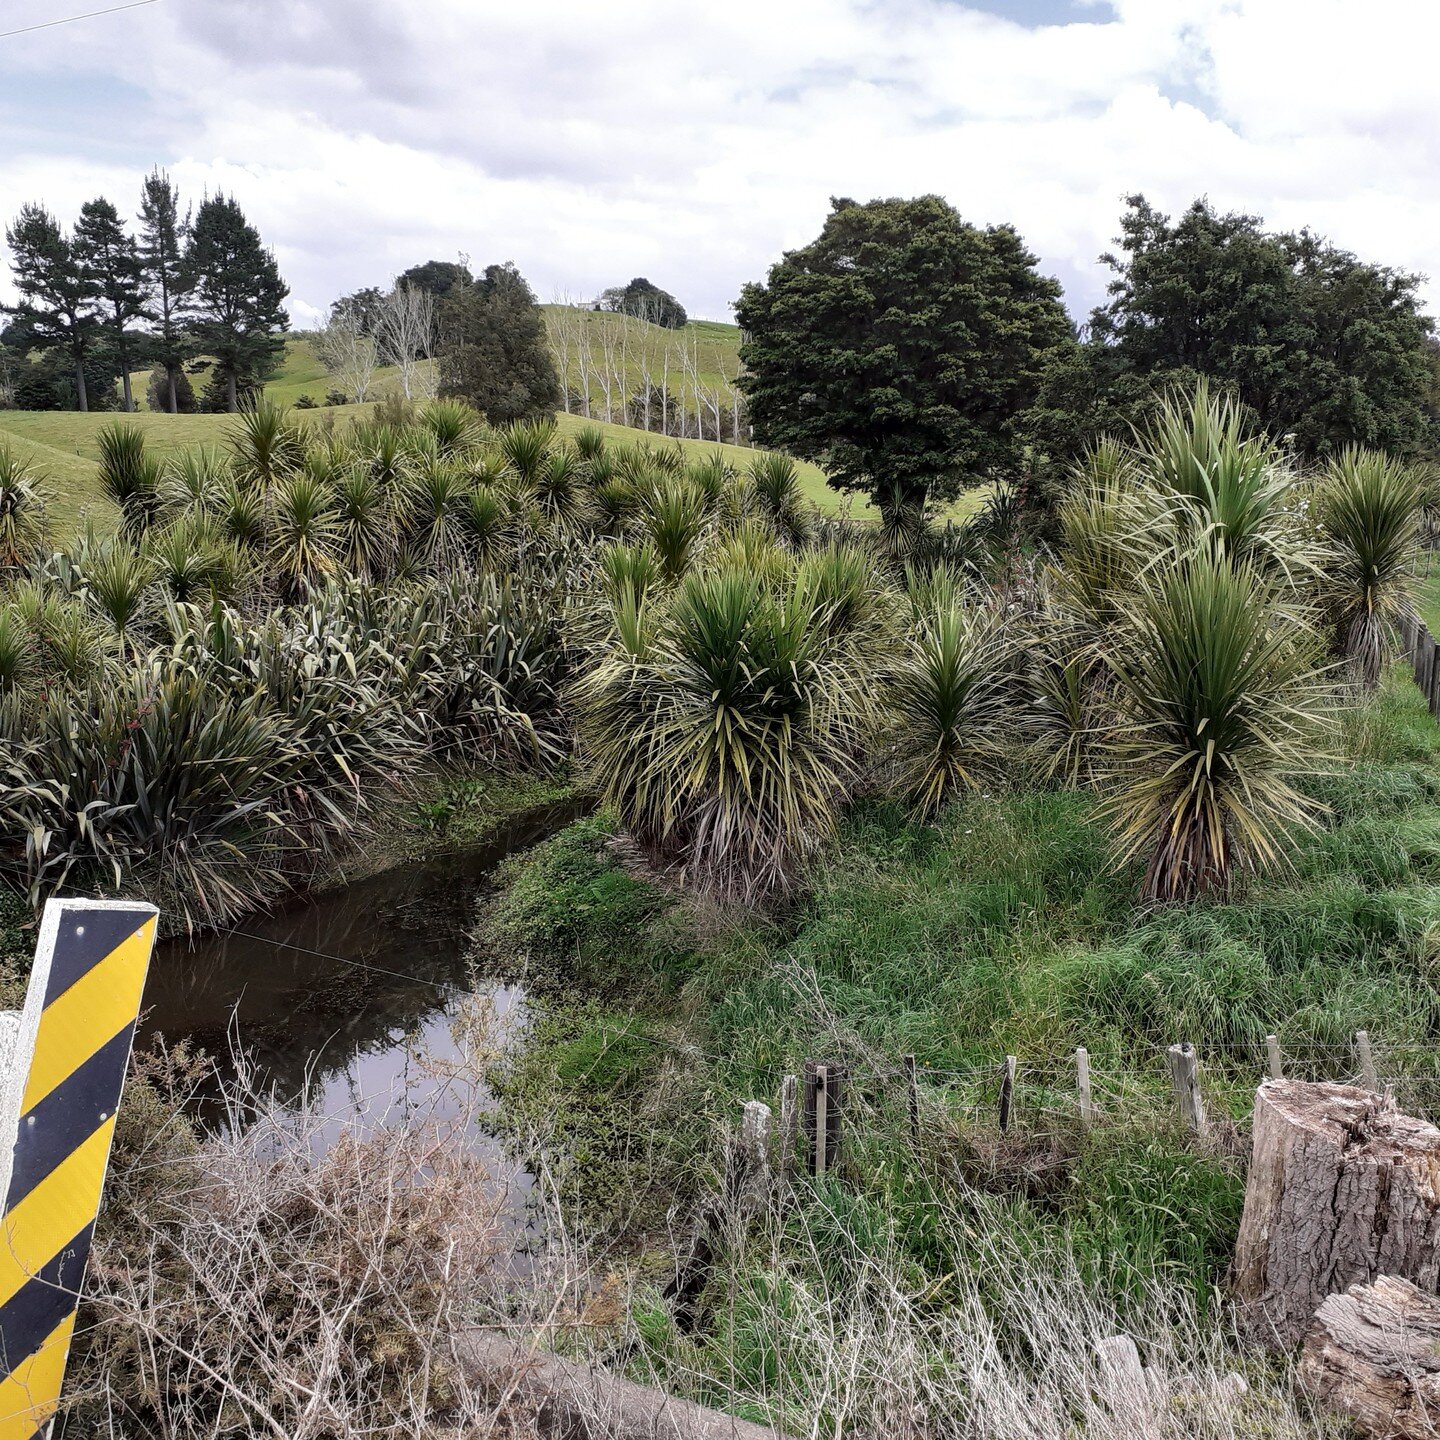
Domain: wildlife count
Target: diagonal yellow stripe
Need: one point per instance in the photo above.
(77, 1022)
(54, 1212)
(30, 1394)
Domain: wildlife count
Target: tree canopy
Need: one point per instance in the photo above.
(645, 301)
(1326, 348)
(164, 232)
(494, 351)
(110, 260)
(56, 295)
(900, 349)
(108, 301)
(439, 277)
(236, 296)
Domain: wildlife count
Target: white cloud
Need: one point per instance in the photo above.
(590, 143)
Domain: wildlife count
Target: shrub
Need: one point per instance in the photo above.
(129, 476)
(726, 724)
(1222, 707)
(157, 392)
(23, 527)
(1368, 511)
(952, 704)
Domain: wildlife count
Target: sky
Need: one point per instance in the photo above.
(589, 143)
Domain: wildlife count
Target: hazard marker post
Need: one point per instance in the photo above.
(62, 1067)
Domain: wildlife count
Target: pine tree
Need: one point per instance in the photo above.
(494, 351)
(236, 296)
(56, 299)
(110, 262)
(163, 232)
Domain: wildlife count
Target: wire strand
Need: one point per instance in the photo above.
(71, 19)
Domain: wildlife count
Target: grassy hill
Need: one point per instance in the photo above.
(300, 373)
(713, 349)
(64, 447)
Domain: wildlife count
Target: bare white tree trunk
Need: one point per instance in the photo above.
(622, 367)
(665, 386)
(584, 360)
(560, 328)
(609, 342)
(690, 364)
(406, 327)
(348, 352)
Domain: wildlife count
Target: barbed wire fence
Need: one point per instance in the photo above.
(832, 1108)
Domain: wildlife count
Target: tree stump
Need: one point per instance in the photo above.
(1342, 1188)
(1374, 1354)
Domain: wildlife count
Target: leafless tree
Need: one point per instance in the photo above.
(348, 351)
(406, 332)
(564, 321)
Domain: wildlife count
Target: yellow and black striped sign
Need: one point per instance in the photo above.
(57, 1117)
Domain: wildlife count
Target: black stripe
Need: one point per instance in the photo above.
(30, 1314)
(68, 1115)
(77, 955)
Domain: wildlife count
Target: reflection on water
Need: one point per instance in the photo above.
(335, 998)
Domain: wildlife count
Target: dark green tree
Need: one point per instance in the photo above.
(363, 307)
(46, 380)
(163, 235)
(235, 296)
(900, 349)
(1325, 348)
(494, 351)
(646, 301)
(110, 261)
(56, 307)
(170, 390)
(439, 277)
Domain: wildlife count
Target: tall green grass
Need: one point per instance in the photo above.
(1003, 928)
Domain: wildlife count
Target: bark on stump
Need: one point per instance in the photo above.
(1374, 1354)
(1342, 1188)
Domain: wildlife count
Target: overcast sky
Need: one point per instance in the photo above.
(592, 140)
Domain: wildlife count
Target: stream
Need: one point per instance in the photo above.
(333, 997)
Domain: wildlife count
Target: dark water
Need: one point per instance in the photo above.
(334, 999)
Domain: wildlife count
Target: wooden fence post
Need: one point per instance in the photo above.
(1082, 1084)
(822, 1119)
(1368, 1073)
(789, 1125)
(1007, 1092)
(1185, 1078)
(824, 1099)
(912, 1101)
(755, 1146)
(1272, 1052)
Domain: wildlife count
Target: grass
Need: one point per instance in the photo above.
(1004, 929)
(64, 445)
